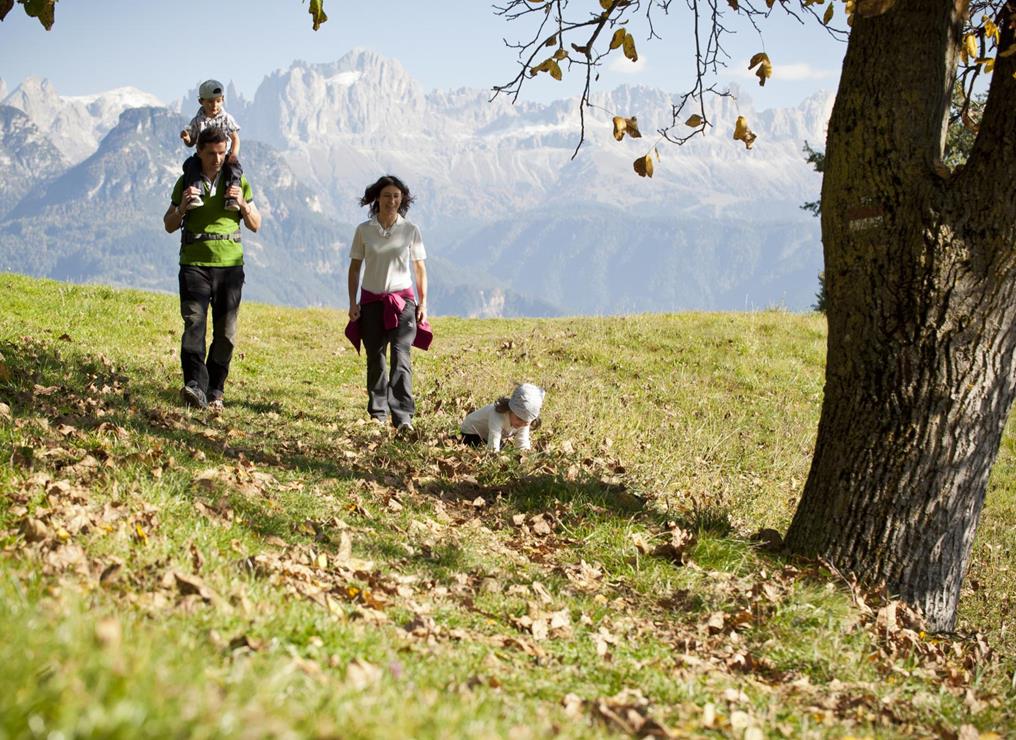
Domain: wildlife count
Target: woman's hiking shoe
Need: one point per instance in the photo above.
(193, 395)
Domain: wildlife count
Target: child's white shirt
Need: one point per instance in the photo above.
(487, 423)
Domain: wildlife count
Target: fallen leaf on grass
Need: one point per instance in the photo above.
(34, 530)
(108, 633)
(676, 546)
(189, 585)
(628, 711)
(361, 675)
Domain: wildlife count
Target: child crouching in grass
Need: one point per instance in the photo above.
(507, 418)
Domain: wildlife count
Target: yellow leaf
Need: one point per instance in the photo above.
(560, 54)
(547, 65)
(643, 166)
(551, 41)
(765, 67)
(989, 65)
(605, 4)
(743, 133)
(629, 47)
(990, 29)
(624, 126)
(694, 121)
(970, 45)
(317, 12)
(828, 15)
(140, 532)
(619, 127)
(618, 38)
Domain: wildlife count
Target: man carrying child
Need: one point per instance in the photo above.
(211, 268)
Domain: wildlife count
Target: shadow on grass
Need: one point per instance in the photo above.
(72, 387)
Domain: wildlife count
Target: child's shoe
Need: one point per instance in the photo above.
(193, 202)
(232, 204)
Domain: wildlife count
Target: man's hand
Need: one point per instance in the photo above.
(234, 191)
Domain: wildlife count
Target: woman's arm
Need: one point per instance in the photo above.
(421, 290)
(352, 283)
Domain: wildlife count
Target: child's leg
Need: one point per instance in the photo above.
(231, 176)
(192, 178)
(191, 170)
(473, 440)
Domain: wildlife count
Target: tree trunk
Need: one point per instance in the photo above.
(920, 274)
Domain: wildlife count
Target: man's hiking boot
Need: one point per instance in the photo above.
(193, 202)
(232, 204)
(193, 395)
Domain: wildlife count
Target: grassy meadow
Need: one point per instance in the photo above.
(289, 569)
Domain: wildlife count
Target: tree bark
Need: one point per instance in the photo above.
(920, 274)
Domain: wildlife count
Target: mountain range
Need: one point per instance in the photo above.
(513, 224)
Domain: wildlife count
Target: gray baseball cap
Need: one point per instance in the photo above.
(211, 89)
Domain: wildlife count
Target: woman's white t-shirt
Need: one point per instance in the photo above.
(387, 259)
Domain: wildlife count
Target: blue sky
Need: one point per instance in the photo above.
(167, 48)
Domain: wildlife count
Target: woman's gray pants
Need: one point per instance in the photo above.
(390, 393)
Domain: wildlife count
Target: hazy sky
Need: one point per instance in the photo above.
(167, 48)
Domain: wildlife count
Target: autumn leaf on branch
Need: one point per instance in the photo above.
(44, 10)
(743, 133)
(548, 65)
(765, 67)
(644, 166)
(317, 12)
(624, 126)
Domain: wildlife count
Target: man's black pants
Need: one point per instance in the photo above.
(219, 287)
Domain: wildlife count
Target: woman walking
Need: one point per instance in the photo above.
(389, 252)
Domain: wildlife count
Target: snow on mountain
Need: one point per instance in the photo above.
(498, 191)
(27, 158)
(343, 123)
(77, 124)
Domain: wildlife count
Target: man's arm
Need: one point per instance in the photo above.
(251, 215)
(248, 211)
(420, 268)
(173, 218)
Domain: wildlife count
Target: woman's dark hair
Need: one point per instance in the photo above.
(373, 192)
(211, 135)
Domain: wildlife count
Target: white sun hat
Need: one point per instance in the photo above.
(526, 401)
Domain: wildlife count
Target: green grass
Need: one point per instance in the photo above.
(353, 584)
